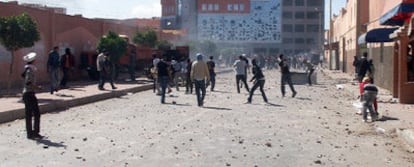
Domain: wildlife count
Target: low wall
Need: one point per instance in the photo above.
(301, 78)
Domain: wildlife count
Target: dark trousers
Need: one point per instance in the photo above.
(31, 109)
(310, 75)
(163, 83)
(188, 84)
(65, 77)
(244, 80)
(212, 81)
(200, 88)
(257, 84)
(103, 76)
(286, 79)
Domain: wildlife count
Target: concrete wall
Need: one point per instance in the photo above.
(381, 54)
(79, 34)
(383, 66)
(347, 27)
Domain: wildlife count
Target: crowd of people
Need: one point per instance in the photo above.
(198, 75)
(201, 74)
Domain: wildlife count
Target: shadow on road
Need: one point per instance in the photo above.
(49, 143)
(219, 91)
(217, 108)
(177, 104)
(387, 118)
(63, 95)
(304, 98)
(274, 105)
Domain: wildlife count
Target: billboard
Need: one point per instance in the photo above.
(262, 24)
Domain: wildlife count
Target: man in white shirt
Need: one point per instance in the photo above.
(240, 68)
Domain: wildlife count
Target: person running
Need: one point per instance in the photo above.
(286, 78)
(240, 67)
(31, 104)
(259, 80)
(211, 65)
(200, 75)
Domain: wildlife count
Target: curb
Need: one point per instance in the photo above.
(12, 115)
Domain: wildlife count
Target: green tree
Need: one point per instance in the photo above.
(147, 38)
(164, 44)
(114, 44)
(17, 32)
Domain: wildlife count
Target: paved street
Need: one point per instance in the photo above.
(318, 127)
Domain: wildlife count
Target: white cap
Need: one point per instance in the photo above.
(30, 57)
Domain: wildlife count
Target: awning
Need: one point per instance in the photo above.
(376, 35)
(399, 14)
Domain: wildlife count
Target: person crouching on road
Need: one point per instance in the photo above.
(29, 98)
(259, 80)
(200, 75)
(369, 97)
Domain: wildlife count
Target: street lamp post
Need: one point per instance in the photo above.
(321, 36)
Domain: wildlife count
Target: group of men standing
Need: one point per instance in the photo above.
(55, 62)
(198, 73)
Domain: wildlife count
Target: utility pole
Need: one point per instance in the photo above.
(330, 36)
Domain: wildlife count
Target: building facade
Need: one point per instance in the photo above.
(266, 26)
(383, 29)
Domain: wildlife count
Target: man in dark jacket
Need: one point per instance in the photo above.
(284, 68)
(259, 80)
(364, 67)
(67, 63)
(356, 64)
(163, 67)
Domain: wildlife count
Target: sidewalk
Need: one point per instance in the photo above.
(399, 118)
(78, 93)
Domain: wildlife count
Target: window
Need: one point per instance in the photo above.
(299, 41)
(300, 2)
(299, 28)
(312, 15)
(300, 15)
(315, 2)
(287, 15)
(236, 7)
(229, 7)
(216, 7)
(310, 41)
(287, 40)
(312, 28)
(287, 28)
(241, 7)
(287, 2)
(204, 7)
(210, 7)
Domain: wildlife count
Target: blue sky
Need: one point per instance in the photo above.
(122, 9)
